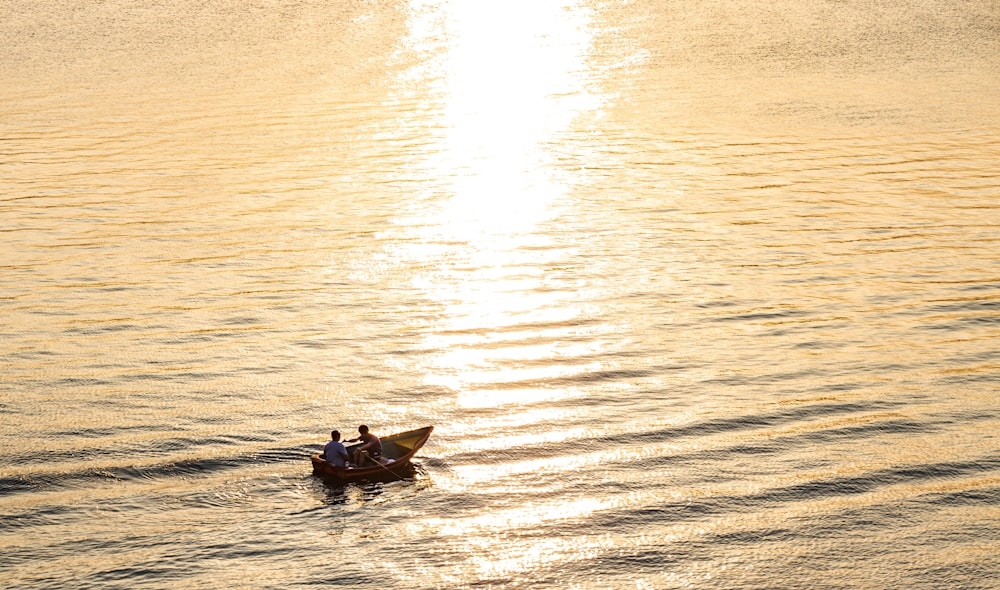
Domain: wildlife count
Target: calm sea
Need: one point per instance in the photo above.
(697, 294)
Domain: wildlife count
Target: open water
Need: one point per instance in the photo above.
(697, 294)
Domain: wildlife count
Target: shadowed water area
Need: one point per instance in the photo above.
(696, 294)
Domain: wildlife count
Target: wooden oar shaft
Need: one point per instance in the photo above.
(375, 461)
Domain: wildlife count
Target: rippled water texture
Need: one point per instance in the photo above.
(696, 294)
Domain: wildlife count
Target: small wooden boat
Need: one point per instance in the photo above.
(397, 450)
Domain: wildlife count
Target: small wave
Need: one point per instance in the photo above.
(975, 497)
(38, 516)
(753, 421)
(761, 315)
(877, 421)
(679, 511)
(92, 476)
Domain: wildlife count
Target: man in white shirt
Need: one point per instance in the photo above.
(334, 451)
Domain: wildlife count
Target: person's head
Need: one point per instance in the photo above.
(335, 435)
(363, 429)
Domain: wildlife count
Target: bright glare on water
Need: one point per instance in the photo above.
(696, 294)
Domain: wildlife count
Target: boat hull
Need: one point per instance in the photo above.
(397, 451)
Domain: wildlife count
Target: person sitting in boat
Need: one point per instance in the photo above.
(334, 452)
(370, 450)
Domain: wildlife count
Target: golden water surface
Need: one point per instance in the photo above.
(696, 294)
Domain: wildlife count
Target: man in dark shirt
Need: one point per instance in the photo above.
(371, 449)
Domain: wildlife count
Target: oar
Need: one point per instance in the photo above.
(373, 460)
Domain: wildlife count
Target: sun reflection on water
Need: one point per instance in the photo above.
(508, 329)
(505, 81)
